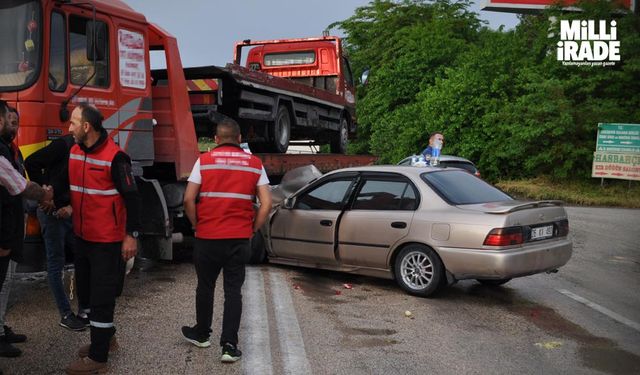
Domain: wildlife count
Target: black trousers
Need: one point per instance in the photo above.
(4, 266)
(209, 258)
(99, 271)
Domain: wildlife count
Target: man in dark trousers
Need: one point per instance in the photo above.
(50, 165)
(106, 207)
(11, 226)
(225, 182)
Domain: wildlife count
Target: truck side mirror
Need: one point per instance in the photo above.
(364, 77)
(96, 40)
(289, 203)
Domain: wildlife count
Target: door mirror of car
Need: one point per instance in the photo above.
(289, 203)
(364, 78)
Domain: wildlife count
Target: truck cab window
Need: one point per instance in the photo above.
(81, 66)
(57, 53)
(346, 70)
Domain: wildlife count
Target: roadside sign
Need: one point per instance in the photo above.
(624, 138)
(616, 165)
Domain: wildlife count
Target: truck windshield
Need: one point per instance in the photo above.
(20, 43)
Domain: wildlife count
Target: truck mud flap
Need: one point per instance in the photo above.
(156, 222)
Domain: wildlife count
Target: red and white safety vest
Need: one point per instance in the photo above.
(99, 214)
(229, 179)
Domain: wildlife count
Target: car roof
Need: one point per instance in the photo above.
(445, 158)
(411, 170)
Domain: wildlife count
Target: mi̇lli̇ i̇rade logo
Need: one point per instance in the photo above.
(581, 43)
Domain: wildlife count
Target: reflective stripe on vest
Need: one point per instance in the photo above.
(93, 191)
(99, 214)
(229, 179)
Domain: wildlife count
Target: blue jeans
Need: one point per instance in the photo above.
(56, 234)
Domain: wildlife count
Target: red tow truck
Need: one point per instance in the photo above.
(57, 53)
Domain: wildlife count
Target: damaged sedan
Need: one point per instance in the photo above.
(424, 227)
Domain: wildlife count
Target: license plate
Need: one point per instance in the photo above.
(542, 232)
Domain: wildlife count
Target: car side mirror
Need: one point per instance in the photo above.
(364, 78)
(289, 203)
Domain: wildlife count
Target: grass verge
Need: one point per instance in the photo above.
(615, 193)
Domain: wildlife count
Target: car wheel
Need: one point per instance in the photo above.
(258, 251)
(493, 282)
(419, 270)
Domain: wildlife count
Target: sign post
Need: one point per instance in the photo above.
(617, 152)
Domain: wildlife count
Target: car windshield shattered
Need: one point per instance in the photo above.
(458, 187)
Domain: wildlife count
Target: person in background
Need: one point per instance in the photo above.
(433, 138)
(226, 180)
(106, 209)
(50, 165)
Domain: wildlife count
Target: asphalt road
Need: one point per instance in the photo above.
(584, 319)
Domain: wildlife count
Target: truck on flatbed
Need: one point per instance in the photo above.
(58, 53)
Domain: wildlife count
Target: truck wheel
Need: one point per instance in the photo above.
(340, 139)
(419, 270)
(281, 131)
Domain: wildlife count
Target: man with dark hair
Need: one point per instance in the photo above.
(50, 165)
(11, 226)
(106, 207)
(435, 137)
(226, 180)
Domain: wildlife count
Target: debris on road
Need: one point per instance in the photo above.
(347, 286)
(549, 345)
(408, 314)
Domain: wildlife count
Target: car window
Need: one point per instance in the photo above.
(328, 196)
(385, 195)
(459, 164)
(458, 187)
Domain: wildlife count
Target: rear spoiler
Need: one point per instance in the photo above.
(501, 208)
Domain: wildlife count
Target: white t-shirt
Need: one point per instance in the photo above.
(196, 178)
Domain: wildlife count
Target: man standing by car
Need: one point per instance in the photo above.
(225, 180)
(50, 165)
(433, 138)
(105, 204)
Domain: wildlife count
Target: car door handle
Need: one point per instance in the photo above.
(399, 224)
(326, 223)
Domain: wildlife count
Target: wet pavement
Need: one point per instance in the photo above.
(309, 321)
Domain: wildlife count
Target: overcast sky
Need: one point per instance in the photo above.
(207, 29)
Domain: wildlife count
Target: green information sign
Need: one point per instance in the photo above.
(618, 138)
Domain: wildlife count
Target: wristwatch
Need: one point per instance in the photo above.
(135, 234)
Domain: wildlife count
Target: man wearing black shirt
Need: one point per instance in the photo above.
(50, 165)
(105, 204)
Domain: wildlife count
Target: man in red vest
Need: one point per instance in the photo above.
(105, 213)
(225, 182)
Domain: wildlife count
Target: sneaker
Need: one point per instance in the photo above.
(84, 319)
(8, 350)
(192, 336)
(86, 365)
(230, 353)
(71, 321)
(113, 346)
(12, 337)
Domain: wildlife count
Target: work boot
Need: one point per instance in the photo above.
(84, 350)
(12, 337)
(86, 365)
(8, 350)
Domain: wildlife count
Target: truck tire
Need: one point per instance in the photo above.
(281, 131)
(340, 139)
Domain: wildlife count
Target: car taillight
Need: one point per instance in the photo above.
(33, 226)
(504, 237)
(563, 228)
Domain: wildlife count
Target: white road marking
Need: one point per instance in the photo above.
(256, 357)
(291, 343)
(613, 315)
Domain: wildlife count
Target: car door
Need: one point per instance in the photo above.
(306, 231)
(380, 215)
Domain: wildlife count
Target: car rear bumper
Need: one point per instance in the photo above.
(507, 263)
